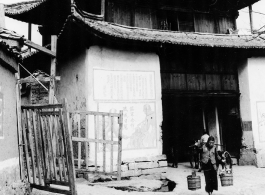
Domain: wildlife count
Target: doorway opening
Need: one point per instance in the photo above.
(186, 117)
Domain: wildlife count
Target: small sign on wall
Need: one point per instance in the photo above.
(261, 120)
(1, 116)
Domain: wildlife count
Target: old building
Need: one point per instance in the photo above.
(173, 67)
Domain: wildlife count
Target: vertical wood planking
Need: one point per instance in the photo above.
(120, 120)
(57, 150)
(49, 132)
(44, 148)
(111, 152)
(61, 147)
(26, 148)
(79, 143)
(19, 124)
(86, 136)
(104, 144)
(67, 131)
(30, 136)
(46, 142)
(96, 144)
(38, 155)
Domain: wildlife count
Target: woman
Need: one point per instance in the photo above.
(209, 167)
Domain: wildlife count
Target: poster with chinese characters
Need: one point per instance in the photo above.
(123, 85)
(139, 123)
(261, 120)
(1, 116)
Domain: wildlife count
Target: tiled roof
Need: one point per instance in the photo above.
(114, 31)
(6, 38)
(28, 53)
(22, 7)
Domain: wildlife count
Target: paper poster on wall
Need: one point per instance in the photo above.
(139, 124)
(1, 115)
(124, 85)
(261, 120)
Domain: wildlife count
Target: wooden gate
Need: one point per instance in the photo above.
(97, 142)
(47, 152)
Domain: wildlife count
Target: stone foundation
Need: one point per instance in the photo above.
(10, 182)
(247, 157)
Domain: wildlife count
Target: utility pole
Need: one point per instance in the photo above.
(251, 18)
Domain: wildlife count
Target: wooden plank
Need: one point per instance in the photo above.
(57, 154)
(62, 183)
(97, 141)
(53, 70)
(178, 81)
(79, 143)
(111, 147)
(40, 48)
(44, 148)
(95, 113)
(26, 148)
(19, 124)
(69, 148)
(41, 79)
(60, 150)
(120, 120)
(50, 189)
(104, 144)
(196, 82)
(30, 136)
(114, 173)
(48, 147)
(48, 113)
(51, 145)
(40, 106)
(86, 136)
(63, 144)
(36, 141)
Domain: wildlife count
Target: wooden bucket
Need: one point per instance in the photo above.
(226, 180)
(194, 183)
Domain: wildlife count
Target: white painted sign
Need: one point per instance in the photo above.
(139, 124)
(261, 120)
(123, 85)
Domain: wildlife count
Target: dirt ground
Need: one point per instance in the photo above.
(248, 180)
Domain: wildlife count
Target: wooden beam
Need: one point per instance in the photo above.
(40, 48)
(53, 70)
(43, 80)
(103, 8)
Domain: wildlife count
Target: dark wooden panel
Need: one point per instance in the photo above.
(165, 80)
(229, 82)
(122, 14)
(213, 82)
(178, 81)
(224, 23)
(196, 82)
(204, 23)
(143, 18)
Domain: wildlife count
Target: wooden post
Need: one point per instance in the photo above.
(103, 8)
(217, 127)
(53, 70)
(120, 144)
(250, 18)
(69, 149)
(19, 126)
(2, 16)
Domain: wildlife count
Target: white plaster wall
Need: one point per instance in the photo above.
(245, 107)
(256, 77)
(111, 59)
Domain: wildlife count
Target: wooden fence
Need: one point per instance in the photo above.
(48, 157)
(97, 137)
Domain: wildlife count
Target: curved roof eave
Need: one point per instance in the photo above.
(110, 31)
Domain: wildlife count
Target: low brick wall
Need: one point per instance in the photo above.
(10, 182)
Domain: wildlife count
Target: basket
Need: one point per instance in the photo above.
(226, 180)
(194, 183)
